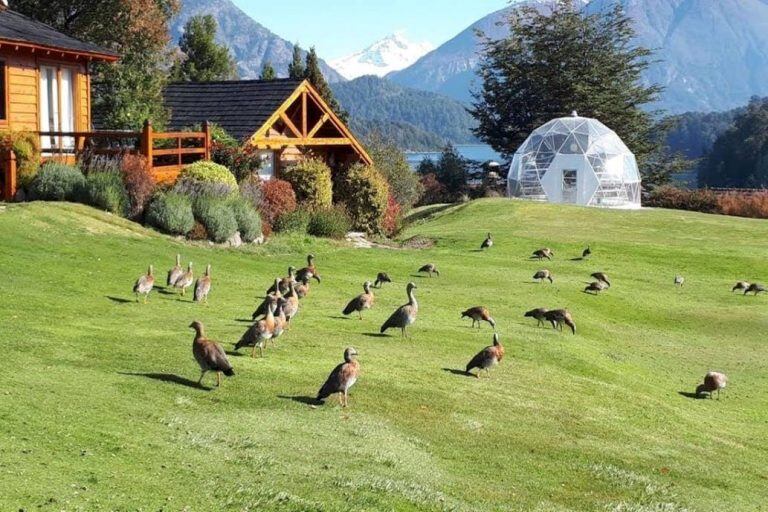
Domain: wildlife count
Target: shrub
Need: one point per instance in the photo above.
(248, 219)
(391, 162)
(208, 172)
(365, 192)
(296, 221)
(216, 215)
(242, 161)
(105, 190)
(278, 199)
(434, 191)
(700, 200)
(250, 190)
(26, 147)
(171, 213)
(58, 182)
(311, 181)
(137, 178)
(391, 221)
(331, 222)
(753, 205)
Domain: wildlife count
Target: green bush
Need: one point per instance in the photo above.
(292, 222)
(311, 181)
(26, 147)
(58, 182)
(208, 172)
(106, 190)
(365, 193)
(217, 216)
(331, 222)
(248, 219)
(171, 213)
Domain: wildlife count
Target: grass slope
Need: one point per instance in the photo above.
(98, 410)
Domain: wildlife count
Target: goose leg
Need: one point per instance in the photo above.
(200, 380)
(253, 350)
(218, 379)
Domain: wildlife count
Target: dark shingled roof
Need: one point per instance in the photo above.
(241, 107)
(18, 28)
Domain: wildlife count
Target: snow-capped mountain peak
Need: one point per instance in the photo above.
(392, 53)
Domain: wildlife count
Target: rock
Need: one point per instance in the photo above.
(259, 240)
(235, 240)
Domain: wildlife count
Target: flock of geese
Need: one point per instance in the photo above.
(282, 301)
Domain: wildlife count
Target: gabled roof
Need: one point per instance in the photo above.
(24, 31)
(241, 107)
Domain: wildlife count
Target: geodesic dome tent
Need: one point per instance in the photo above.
(575, 160)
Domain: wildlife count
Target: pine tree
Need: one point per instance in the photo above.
(296, 69)
(204, 60)
(267, 72)
(451, 171)
(316, 78)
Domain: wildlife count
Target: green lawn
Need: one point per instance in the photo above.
(97, 410)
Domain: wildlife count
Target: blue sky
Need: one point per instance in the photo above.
(339, 27)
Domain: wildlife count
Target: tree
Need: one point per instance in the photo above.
(554, 63)
(739, 157)
(129, 91)
(268, 72)
(203, 59)
(404, 184)
(296, 69)
(452, 171)
(315, 76)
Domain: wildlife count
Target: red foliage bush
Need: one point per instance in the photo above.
(391, 221)
(434, 191)
(701, 200)
(138, 182)
(278, 198)
(753, 205)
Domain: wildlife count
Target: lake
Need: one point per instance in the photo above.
(477, 152)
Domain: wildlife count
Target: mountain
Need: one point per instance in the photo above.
(251, 43)
(713, 55)
(392, 53)
(374, 100)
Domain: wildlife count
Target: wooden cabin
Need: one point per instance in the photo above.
(44, 83)
(285, 119)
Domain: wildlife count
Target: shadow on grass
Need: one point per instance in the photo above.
(164, 291)
(248, 320)
(577, 259)
(692, 396)
(477, 250)
(377, 335)
(339, 317)
(306, 400)
(120, 300)
(428, 212)
(169, 377)
(458, 372)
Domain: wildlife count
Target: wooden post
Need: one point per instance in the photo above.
(9, 167)
(147, 142)
(207, 141)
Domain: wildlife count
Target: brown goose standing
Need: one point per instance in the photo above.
(144, 284)
(264, 306)
(302, 288)
(538, 314)
(209, 355)
(185, 280)
(203, 286)
(310, 271)
(741, 286)
(361, 302)
(285, 282)
(479, 314)
(755, 288)
(595, 287)
(487, 243)
(602, 277)
(341, 378)
(280, 321)
(291, 306)
(486, 358)
(405, 315)
(543, 274)
(545, 252)
(175, 272)
(257, 335)
(558, 317)
(430, 269)
(713, 381)
(381, 278)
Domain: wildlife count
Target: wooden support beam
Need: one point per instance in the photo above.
(304, 114)
(290, 125)
(275, 142)
(319, 125)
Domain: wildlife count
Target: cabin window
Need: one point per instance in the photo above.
(3, 94)
(267, 168)
(57, 107)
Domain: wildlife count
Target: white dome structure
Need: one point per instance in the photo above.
(576, 160)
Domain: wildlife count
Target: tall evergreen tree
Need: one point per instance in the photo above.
(564, 60)
(451, 171)
(203, 59)
(267, 72)
(296, 69)
(316, 78)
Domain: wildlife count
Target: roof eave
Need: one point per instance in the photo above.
(102, 56)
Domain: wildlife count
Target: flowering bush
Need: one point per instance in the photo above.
(391, 221)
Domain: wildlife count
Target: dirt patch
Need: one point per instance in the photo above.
(419, 242)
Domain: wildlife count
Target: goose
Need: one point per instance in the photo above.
(487, 243)
(203, 286)
(430, 269)
(602, 277)
(405, 315)
(285, 282)
(486, 358)
(264, 306)
(310, 271)
(381, 278)
(144, 284)
(595, 287)
(291, 306)
(302, 288)
(558, 317)
(175, 272)
(543, 274)
(342, 378)
(756, 288)
(545, 252)
(361, 302)
(185, 280)
(713, 381)
(679, 281)
(479, 314)
(256, 336)
(741, 286)
(538, 314)
(586, 253)
(280, 321)
(209, 355)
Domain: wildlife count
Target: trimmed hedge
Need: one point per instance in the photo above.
(216, 215)
(700, 200)
(248, 219)
(206, 178)
(292, 222)
(365, 192)
(58, 182)
(331, 222)
(311, 181)
(105, 190)
(171, 213)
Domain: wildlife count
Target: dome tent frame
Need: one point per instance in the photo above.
(575, 160)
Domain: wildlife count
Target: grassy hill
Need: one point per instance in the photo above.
(100, 411)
